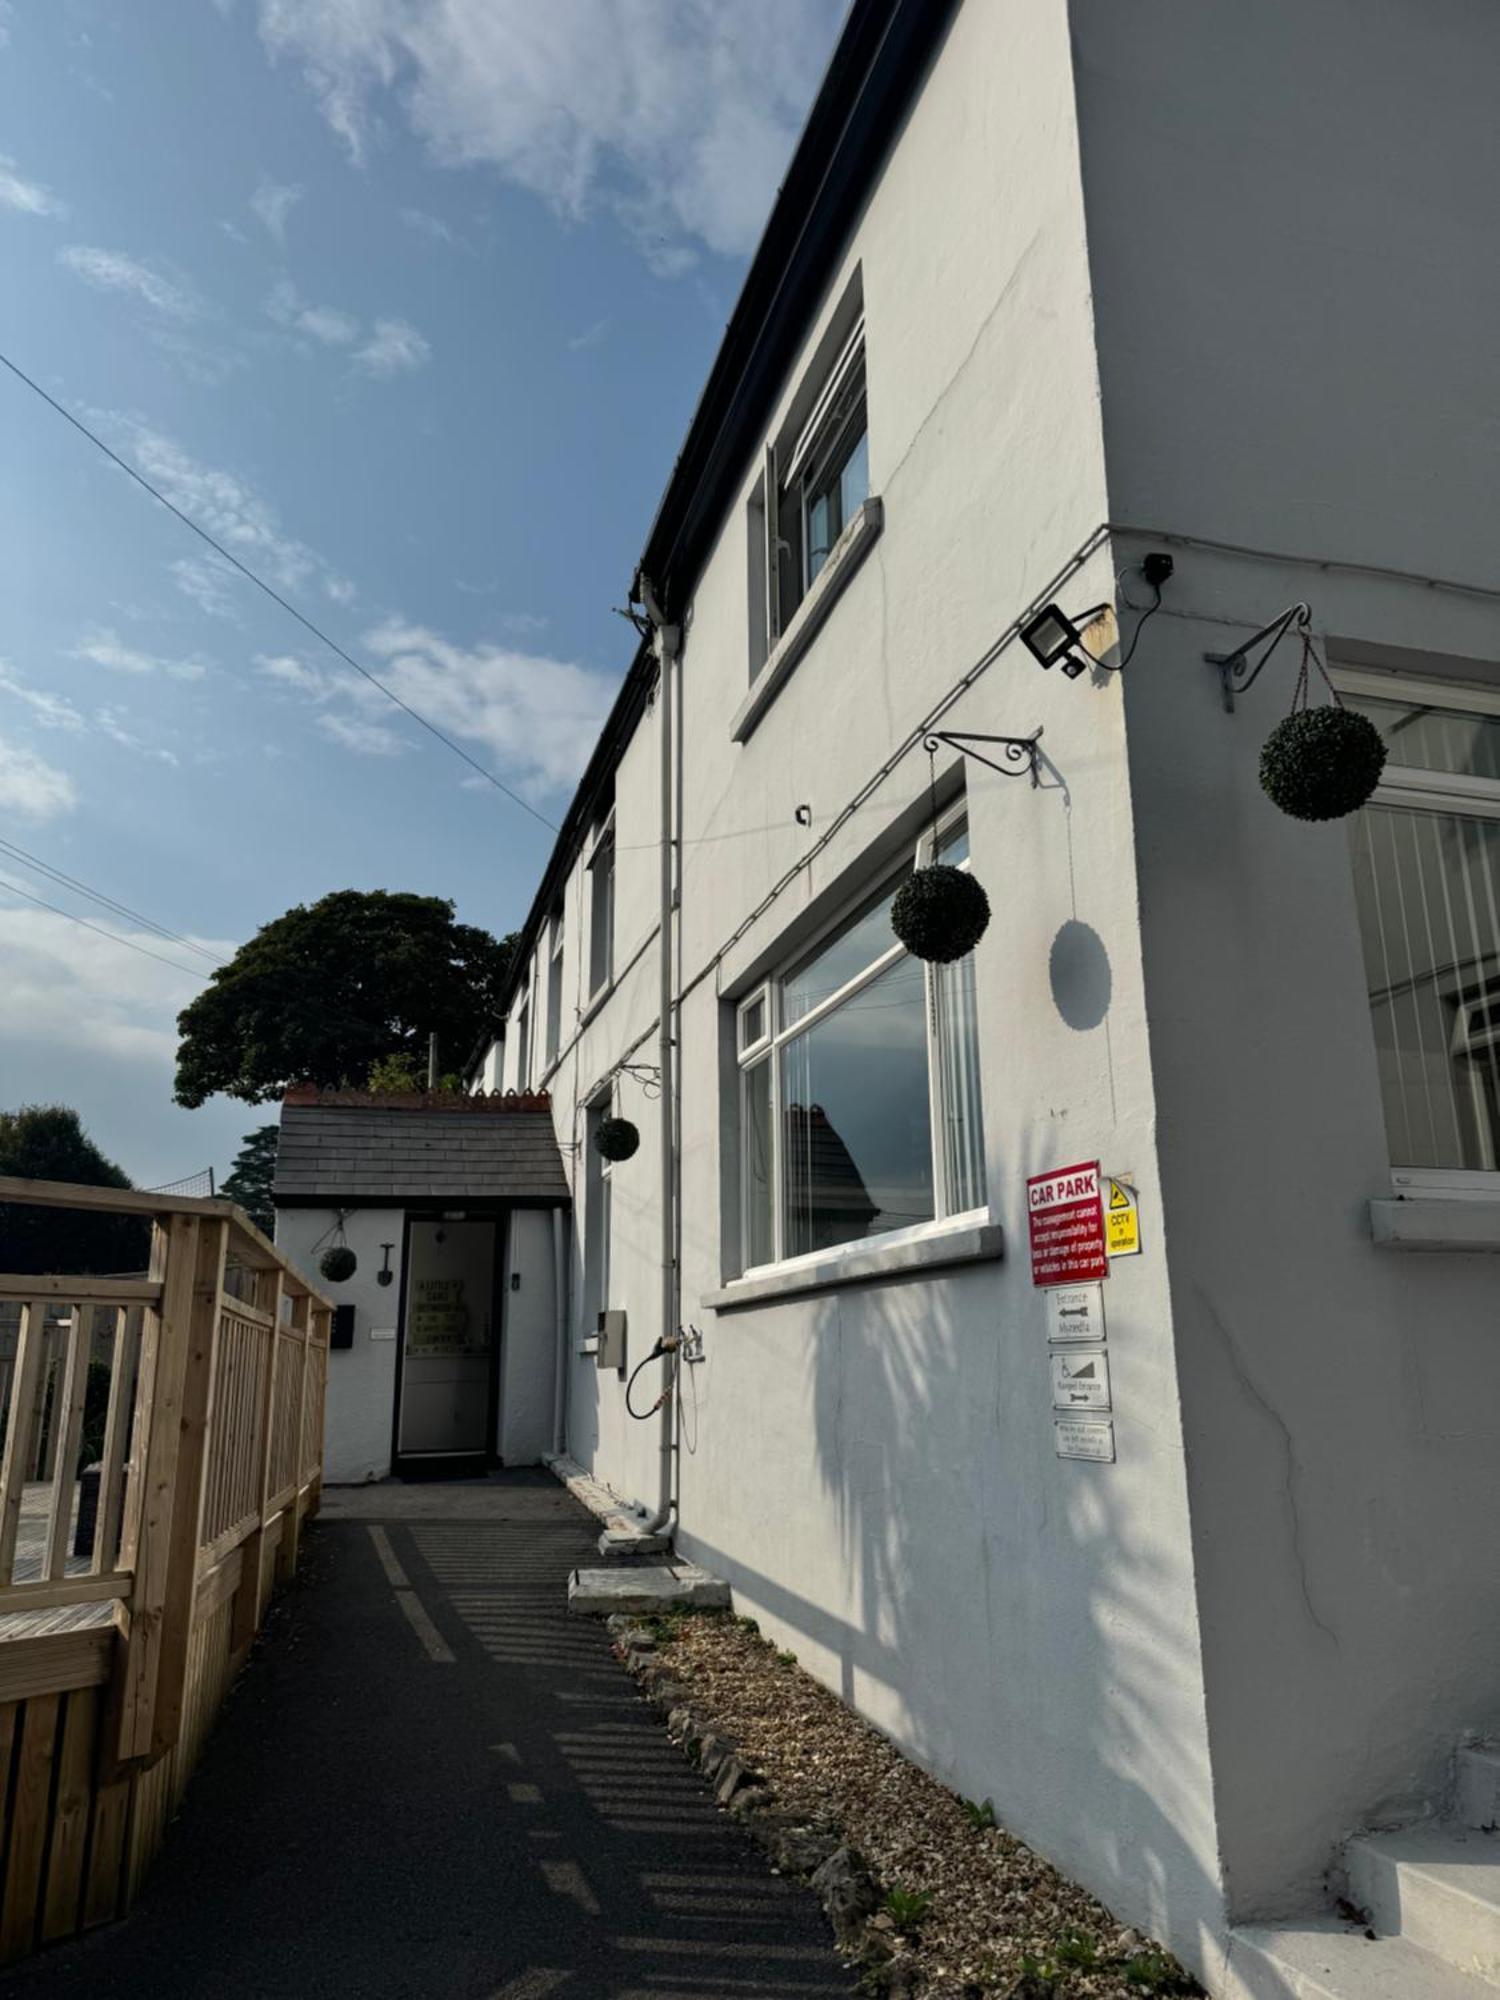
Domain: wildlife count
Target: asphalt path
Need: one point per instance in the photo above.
(430, 1781)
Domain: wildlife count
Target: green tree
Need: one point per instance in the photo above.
(249, 1180)
(325, 992)
(47, 1142)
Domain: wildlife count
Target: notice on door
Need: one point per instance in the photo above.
(439, 1322)
(1066, 1215)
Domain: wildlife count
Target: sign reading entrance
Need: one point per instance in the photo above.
(1122, 1219)
(1080, 1381)
(1066, 1216)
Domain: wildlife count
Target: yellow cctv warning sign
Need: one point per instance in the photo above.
(1122, 1219)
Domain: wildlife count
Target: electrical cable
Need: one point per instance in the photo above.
(641, 1416)
(98, 929)
(275, 595)
(108, 902)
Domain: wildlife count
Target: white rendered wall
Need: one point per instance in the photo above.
(361, 1378)
(1293, 232)
(873, 1467)
(528, 1336)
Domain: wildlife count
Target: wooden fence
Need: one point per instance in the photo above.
(163, 1443)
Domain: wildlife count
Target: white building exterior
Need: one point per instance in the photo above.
(1094, 281)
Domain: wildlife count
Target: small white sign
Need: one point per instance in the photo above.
(1075, 1312)
(1085, 1437)
(382, 1333)
(1080, 1379)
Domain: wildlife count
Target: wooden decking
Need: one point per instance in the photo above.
(196, 1393)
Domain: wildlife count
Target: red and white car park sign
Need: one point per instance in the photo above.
(1065, 1210)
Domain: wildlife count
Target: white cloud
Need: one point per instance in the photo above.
(113, 271)
(394, 345)
(27, 197)
(106, 649)
(111, 723)
(537, 717)
(53, 711)
(272, 202)
(533, 717)
(678, 115)
(433, 227)
(591, 336)
(66, 985)
(323, 323)
(207, 581)
(221, 502)
(367, 739)
(31, 788)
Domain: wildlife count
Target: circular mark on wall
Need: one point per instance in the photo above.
(1080, 975)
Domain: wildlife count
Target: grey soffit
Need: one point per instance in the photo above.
(329, 1153)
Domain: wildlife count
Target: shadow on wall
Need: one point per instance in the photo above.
(1007, 1616)
(1079, 971)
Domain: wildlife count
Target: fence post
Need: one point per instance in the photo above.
(245, 1617)
(286, 1548)
(174, 1398)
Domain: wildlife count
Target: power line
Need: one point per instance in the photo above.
(108, 902)
(275, 595)
(99, 930)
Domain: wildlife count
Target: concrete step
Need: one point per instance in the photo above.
(1329, 1961)
(1436, 1886)
(624, 1587)
(1477, 1802)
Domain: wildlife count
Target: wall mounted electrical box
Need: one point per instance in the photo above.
(341, 1331)
(611, 1351)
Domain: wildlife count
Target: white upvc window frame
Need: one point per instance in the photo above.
(827, 425)
(775, 1033)
(555, 939)
(602, 849)
(1418, 788)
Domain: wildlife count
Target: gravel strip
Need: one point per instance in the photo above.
(960, 1908)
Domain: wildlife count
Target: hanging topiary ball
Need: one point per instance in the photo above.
(940, 913)
(338, 1263)
(617, 1138)
(1321, 763)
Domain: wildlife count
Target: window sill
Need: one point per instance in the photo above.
(862, 1264)
(844, 558)
(1436, 1223)
(595, 1003)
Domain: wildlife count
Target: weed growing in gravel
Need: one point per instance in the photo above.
(787, 1659)
(1155, 1972)
(1078, 1951)
(907, 1907)
(980, 1817)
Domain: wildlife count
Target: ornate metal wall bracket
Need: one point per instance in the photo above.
(1236, 673)
(1018, 754)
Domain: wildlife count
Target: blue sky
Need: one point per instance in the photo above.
(409, 301)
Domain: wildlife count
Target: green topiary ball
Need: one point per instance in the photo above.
(338, 1263)
(940, 913)
(1321, 763)
(617, 1138)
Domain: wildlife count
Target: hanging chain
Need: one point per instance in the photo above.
(1302, 692)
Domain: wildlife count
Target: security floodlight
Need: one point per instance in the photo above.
(1050, 637)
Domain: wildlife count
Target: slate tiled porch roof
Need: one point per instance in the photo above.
(346, 1146)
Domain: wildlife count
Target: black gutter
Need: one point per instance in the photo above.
(875, 72)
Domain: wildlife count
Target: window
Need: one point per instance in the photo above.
(597, 1198)
(554, 987)
(523, 1049)
(812, 491)
(602, 911)
(1427, 883)
(859, 1105)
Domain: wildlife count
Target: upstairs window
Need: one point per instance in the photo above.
(602, 911)
(1427, 884)
(523, 1049)
(859, 1106)
(554, 987)
(814, 490)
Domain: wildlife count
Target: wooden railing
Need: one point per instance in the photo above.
(162, 1445)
